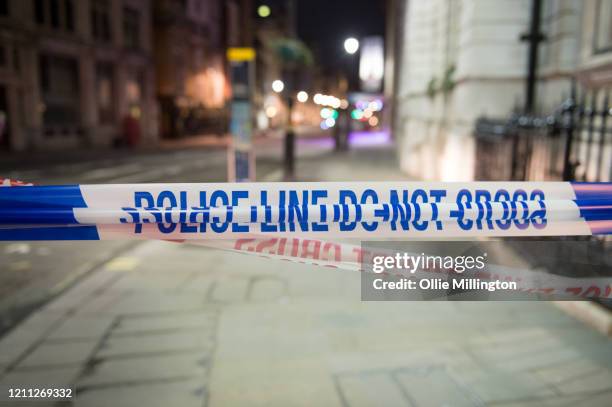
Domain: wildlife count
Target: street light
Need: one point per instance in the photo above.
(302, 96)
(263, 11)
(278, 86)
(351, 45)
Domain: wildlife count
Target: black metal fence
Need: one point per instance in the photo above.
(573, 143)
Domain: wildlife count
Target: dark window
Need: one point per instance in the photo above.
(4, 8)
(603, 27)
(131, 28)
(58, 14)
(59, 80)
(69, 13)
(105, 92)
(16, 59)
(39, 11)
(100, 20)
(55, 14)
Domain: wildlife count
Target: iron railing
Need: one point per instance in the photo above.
(573, 143)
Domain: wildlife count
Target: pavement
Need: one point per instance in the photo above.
(161, 323)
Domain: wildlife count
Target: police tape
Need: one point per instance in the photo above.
(60, 213)
(7, 182)
(314, 210)
(344, 256)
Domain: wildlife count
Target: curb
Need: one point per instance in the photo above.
(590, 313)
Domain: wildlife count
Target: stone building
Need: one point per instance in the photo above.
(464, 59)
(71, 72)
(189, 58)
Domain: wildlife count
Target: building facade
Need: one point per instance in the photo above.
(189, 58)
(75, 73)
(464, 59)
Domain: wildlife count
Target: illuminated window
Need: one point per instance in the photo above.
(105, 92)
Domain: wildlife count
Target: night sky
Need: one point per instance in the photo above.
(325, 24)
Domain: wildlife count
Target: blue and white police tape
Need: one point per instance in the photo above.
(352, 210)
(345, 256)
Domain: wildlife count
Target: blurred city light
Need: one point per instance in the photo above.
(330, 122)
(351, 45)
(264, 11)
(302, 96)
(327, 100)
(373, 121)
(278, 86)
(271, 111)
(361, 104)
(376, 105)
(371, 64)
(357, 114)
(344, 104)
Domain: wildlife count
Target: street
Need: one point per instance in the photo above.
(162, 323)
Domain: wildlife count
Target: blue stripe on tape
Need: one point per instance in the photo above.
(593, 190)
(60, 200)
(37, 216)
(50, 233)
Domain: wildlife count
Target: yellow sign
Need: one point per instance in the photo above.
(240, 54)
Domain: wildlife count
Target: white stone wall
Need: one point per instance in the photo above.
(480, 38)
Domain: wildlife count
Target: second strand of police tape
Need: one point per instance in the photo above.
(345, 256)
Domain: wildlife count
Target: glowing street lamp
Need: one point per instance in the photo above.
(351, 45)
(264, 11)
(302, 97)
(278, 86)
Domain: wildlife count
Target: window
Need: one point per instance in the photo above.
(100, 20)
(55, 14)
(105, 92)
(131, 28)
(39, 11)
(69, 15)
(4, 8)
(603, 26)
(16, 59)
(59, 80)
(58, 14)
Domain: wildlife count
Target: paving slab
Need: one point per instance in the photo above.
(60, 354)
(183, 393)
(82, 327)
(28, 334)
(205, 319)
(157, 343)
(118, 372)
(42, 376)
